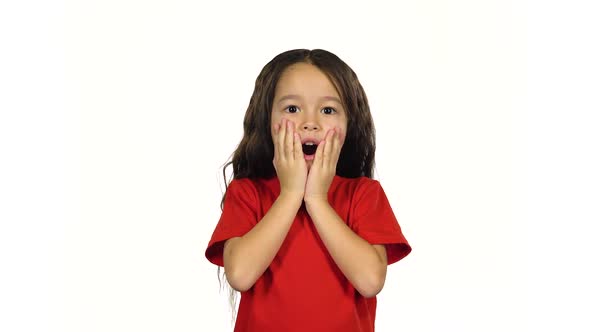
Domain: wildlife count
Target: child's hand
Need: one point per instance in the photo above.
(288, 159)
(323, 168)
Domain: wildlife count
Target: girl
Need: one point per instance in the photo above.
(305, 233)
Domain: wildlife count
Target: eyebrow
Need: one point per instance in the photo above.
(298, 97)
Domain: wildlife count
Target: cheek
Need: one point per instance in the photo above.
(341, 130)
(342, 135)
(275, 119)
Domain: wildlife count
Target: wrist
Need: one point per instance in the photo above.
(317, 206)
(316, 200)
(290, 196)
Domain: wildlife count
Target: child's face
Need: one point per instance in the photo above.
(305, 96)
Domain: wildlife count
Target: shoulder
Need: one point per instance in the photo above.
(356, 186)
(361, 180)
(352, 191)
(250, 187)
(237, 184)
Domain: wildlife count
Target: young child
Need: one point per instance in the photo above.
(305, 233)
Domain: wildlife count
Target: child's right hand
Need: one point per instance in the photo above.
(288, 159)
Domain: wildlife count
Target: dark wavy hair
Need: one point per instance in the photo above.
(253, 156)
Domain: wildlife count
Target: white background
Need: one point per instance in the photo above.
(116, 117)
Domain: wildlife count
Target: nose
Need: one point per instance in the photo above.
(310, 126)
(310, 123)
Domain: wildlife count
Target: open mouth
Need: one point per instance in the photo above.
(309, 148)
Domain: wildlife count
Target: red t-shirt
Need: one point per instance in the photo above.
(303, 289)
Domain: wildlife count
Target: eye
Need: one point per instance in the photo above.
(292, 109)
(328, 110)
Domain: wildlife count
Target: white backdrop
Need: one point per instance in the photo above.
(117, 117)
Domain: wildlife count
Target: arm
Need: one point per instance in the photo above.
(246, 258)
(363, 264)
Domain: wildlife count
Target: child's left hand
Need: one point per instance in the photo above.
(323, 169)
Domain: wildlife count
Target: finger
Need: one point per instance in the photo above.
(273, 133)
(336, 147)
(289, 141)
(281, 139)
(297, 147)
(327, 153)
(319, 154)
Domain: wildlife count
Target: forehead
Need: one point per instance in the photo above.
(305, 79)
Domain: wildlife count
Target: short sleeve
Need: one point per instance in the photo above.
(374, 220)
(237, 218)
